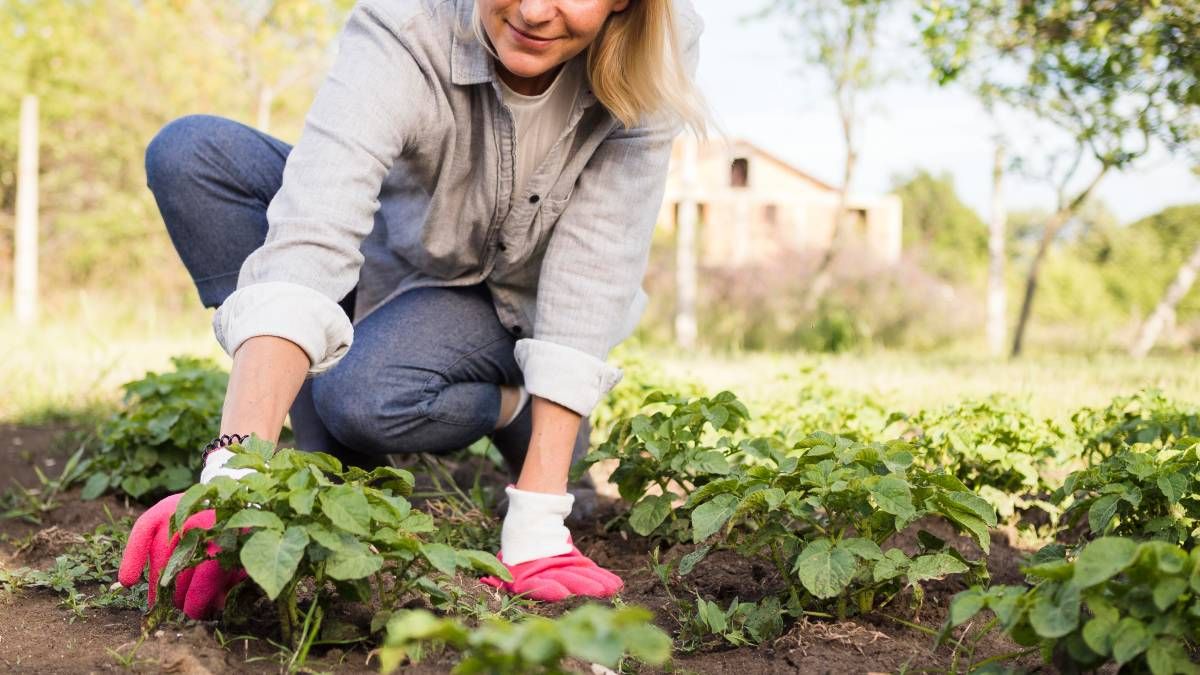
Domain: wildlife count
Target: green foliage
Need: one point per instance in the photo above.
(591, 633)
(1120, 602)
(1147, 416)
(83, 573)
(642, 377)
(953, 237)
(1111, 76)
(740, 624)
(91, 64)
(304, 519)
(672, 449)
(31, 503)
(996, 448)
(1141, 491)
(822, 510)
(813, 404)
(152, 446)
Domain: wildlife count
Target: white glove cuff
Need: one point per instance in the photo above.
(533, 527)
(214, 466)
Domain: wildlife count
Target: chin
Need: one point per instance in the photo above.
(523, 65)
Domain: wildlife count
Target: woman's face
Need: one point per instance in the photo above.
(533, 37)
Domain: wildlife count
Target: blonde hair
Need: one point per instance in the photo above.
(635, 66)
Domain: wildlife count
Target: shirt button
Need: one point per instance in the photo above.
(516, 329)
(533, 199)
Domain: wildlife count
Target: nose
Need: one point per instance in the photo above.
(534, 12)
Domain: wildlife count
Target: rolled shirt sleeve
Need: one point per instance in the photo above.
(589, 291)
(373, 95)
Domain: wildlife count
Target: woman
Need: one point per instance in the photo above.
(476, 184)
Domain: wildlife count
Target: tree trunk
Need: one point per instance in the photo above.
(823, 277)
(1164, 313)
(1053, 225)
(266, 99)
(996, 297)
(685, 250)
(25, 253)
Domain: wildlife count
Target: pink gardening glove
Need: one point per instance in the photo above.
(558, 577)
(199, 591)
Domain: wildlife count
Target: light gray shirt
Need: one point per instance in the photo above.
(403, 177)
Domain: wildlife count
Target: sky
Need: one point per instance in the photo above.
(752, 80)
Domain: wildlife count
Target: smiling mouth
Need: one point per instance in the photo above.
(528, 36)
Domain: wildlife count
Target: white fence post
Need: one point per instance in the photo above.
(25, 254)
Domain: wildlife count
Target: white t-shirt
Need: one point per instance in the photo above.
(541, 119)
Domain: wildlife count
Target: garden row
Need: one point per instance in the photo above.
(838, 497)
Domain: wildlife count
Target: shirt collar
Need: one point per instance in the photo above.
(470, 62)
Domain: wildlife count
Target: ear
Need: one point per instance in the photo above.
(620, 5)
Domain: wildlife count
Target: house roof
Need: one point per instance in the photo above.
(758, 150)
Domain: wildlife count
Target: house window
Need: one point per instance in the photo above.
(771, 215)
(739, 172)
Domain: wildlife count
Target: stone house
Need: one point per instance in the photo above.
(753, 204)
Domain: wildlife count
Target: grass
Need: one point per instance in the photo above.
(1053, 385)
(74, 360)
(87, 345)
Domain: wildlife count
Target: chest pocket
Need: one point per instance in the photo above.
(543, 223)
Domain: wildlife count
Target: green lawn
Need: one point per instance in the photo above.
(75, 361)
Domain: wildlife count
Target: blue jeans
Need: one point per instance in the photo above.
(425, 369)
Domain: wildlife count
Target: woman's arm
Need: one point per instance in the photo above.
(266, 376)
(375, 97)
(547, 464)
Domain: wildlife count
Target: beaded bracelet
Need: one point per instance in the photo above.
(223, 441)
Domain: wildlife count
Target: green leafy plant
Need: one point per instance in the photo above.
(1119, 602)
(591, 633)
(83, 573)
(642, 378)
(31, 503)
(814, 404)
(302, 522)
(677, 449)
(152, 445)
(1143, 491)
(822, 511)
(703, 623)
(1147, 416)
(996, 449)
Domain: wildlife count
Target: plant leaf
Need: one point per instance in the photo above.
(347, 509)
(353, 561)
(271, 558)
(825, 569)
(1103, 559)
(649, 513)
(934, 566)
(711, 516)
(443, 558)
(254, 518)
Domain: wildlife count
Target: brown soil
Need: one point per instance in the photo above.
(38, 635)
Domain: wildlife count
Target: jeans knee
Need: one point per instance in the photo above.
(173, 151)
(366, 418)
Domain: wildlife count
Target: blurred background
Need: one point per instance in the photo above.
(930, 199)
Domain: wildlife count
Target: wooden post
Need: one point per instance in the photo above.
(996, 297)
(685, 249)
(25, 253)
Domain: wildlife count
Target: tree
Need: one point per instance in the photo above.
(108, 75)
(997, 297)
(952, 235)
(1177, 228)
(839, 39)
(1115, 75)
(277, 44)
